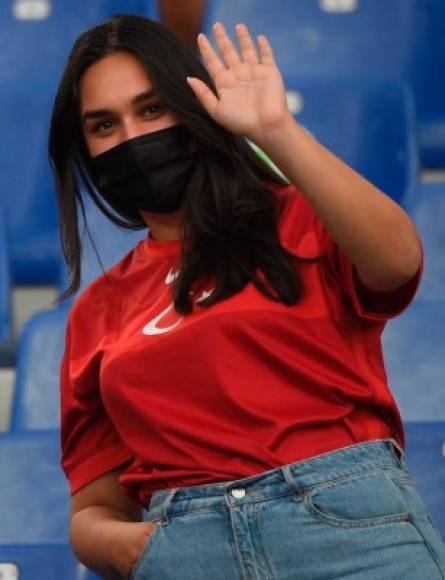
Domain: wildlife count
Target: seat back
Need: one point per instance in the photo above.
(40, 562)
(36, 402)
(34, 491)
(425, 458)
(414, 353)
(368, 124)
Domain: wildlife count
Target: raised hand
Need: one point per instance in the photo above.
(251, 98)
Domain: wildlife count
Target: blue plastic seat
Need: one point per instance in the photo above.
(36, 396)
(425, 459)
(37, 32)
(368, 124)
(34, 490)
(426, 206)
(414, 354)
(40, 562)
(401, 39)
(6, 333)
(34, 525)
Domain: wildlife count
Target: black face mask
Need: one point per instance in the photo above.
(150, 172)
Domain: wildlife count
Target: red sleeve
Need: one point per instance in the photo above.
(366, 303)
(90, 444)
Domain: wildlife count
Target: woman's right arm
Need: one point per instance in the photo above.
(107, 534)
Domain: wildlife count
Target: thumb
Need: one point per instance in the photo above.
(204, 94)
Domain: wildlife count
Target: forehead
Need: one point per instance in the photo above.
(113, 81)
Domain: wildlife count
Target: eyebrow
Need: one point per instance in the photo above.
(97, 113)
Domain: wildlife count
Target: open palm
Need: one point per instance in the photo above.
(251, 98)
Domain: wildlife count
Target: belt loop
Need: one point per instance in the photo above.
(401, 452)
(164, 521)
(290, 479)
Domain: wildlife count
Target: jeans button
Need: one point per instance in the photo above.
(238, 493)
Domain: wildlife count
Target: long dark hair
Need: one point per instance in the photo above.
(230, 214)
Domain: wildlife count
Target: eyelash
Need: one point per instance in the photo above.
(97, 128)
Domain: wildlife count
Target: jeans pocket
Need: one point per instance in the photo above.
(145, 551)
(367, 498)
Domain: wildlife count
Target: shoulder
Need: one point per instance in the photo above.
(297, 222)
(97, 305)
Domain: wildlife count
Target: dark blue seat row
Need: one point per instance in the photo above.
(401, 40)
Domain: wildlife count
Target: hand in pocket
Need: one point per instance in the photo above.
(128, 544)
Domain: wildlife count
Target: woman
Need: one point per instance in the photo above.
(227, 373)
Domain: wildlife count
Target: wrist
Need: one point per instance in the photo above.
(275, 133)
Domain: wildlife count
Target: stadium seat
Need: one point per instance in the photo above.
(40, 562)
(401, 39)
(6, 333)
(33, 488)
(426, 206)
(36, 38)
(425, 459)
(36, 396)
(368, 124)
(34, 525)
(414, 353)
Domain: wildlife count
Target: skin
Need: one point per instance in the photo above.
(370, 228)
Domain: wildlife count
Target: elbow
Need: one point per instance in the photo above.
(396, 275)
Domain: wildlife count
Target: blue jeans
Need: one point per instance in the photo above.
(352, 513)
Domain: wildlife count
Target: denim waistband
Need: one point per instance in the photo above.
(291, 478)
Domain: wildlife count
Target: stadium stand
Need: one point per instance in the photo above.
(357, 118)
(34, 538)
(401, 39)
(34, 46)
(6, 331)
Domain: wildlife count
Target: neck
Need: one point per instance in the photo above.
(164, 226)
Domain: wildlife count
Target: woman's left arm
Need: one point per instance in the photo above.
(374, 232)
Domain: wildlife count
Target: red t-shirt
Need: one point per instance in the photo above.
(242, 387)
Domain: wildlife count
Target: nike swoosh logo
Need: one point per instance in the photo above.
(152, 329)
(171, 276)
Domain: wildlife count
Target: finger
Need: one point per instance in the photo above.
(266, 53)
(248, 50)
(211, 59)
(204, 94)
(226, 48)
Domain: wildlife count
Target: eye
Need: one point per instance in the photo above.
(103, 126)
(152, 110)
